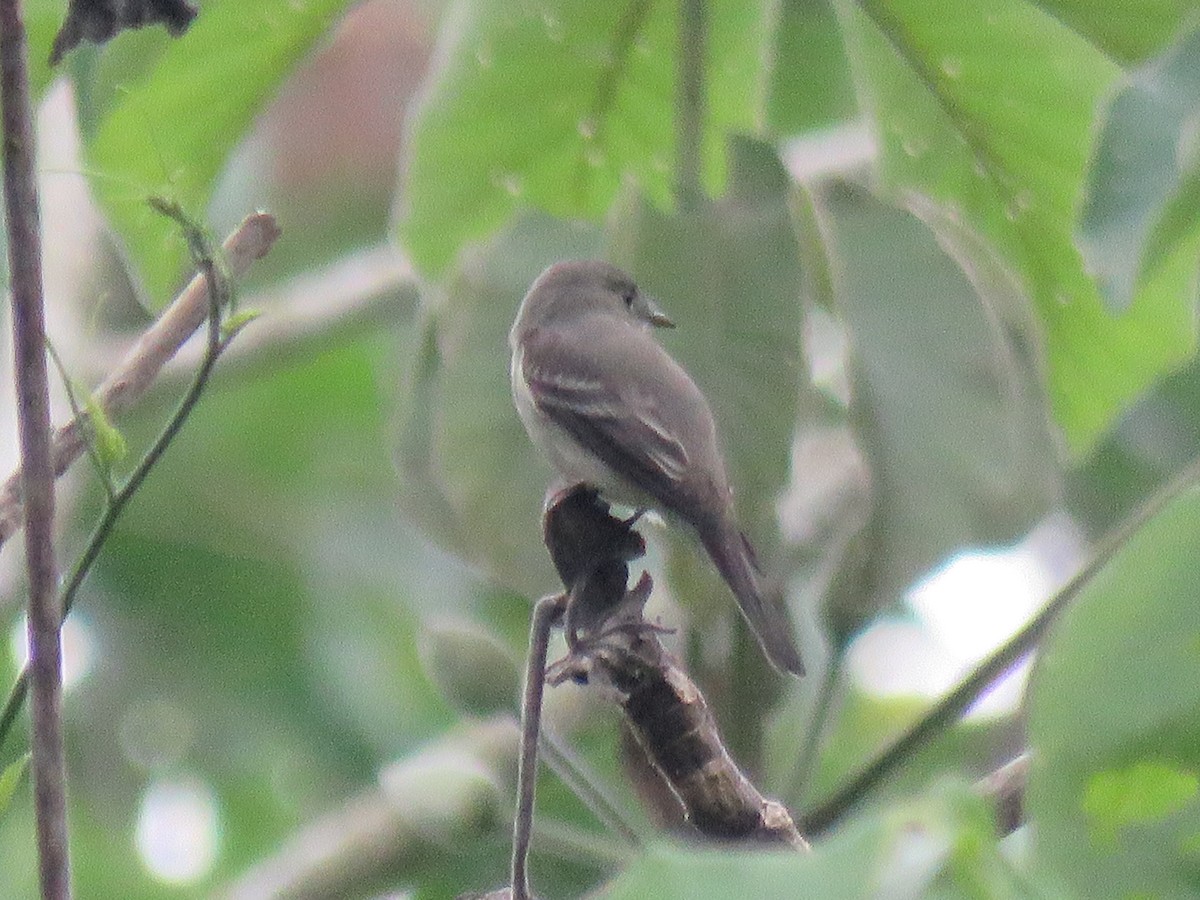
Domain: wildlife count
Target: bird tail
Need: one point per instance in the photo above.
(734, 558)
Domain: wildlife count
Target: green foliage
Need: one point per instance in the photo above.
(171, 128)
(1114, 718)
(10, 778)
(1014, 281)
(110, 444)
(947, 438)
(939, 847)
(1143, 203)
(604, 77)
(993, 155)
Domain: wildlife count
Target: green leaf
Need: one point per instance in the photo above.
(728, 274)
(1146, 792)
(10, 778)
(475, 671)
(1128, 32)
(554, 105)
(170, 129)
(42, 21)
(1113, 718)
(984, 114)
(810, 80)
(1142, 198)
(468, 474)
(952, 421)
(940, 846)
(239, 320)
(110, 443)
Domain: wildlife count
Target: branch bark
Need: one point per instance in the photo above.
(33, 420)
(157, 345)
(614, 649)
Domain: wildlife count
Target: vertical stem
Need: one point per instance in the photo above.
(690, 101)
(33, 417)
(544, 613)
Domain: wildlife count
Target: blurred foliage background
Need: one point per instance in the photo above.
(935, 266)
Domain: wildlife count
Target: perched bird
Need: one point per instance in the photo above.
(609, 407)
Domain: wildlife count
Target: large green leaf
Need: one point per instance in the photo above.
(984, 114)
(1128, 32)
(953, 424)
(468, 474)
(728, 273)
(810, 80)
(1114, 793)
(170, 128)
(555, 104)
(1143, 191)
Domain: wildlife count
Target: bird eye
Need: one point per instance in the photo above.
(628, 297)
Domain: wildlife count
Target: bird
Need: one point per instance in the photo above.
(609, 407)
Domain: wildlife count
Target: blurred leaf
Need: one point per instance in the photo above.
(1142, 197)
(952, 421)
(170, 129)
(984, 118)
(585, 92)
(110, 443)
(728, 273)
(469, 475)
(939, 846)
(1128, 32)
(476, 673)
(866, 724)
(810, 78)
(42, 20)
(10, 777)
(1113, 719)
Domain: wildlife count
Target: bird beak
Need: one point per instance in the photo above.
(655, 316)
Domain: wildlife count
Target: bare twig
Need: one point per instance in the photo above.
(217, 296)
(615, 649)
(362, 287)
(120, 390)
(33, 417)
(950, 708)
(545, 612)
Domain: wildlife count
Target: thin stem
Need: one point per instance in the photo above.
(33, 419)
(126, 383)
(951, 707)
(690, 101)
(584, 784)
(102, 471)
(802, 771)
(545, 612)
(218, 293)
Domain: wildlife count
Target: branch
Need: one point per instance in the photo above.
(121, 390)
(616, 650)
(33, 418)
(360, 288)
(545, 612)
(951, 707)
(217, 295)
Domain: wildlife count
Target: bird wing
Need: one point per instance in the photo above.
(616, 392)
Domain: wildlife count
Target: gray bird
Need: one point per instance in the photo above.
(609, 407)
